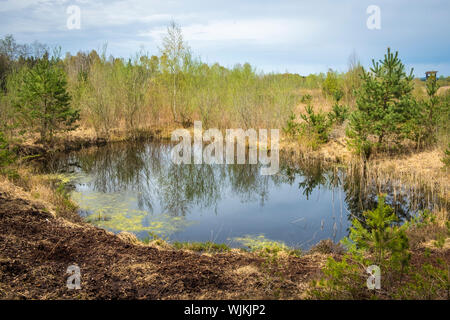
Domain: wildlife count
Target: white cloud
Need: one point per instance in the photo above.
(13, 5)
(265, 31)
(16, 5)
(272, 35)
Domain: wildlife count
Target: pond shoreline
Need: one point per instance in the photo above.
(38, 247)
(53, 241)
(419, 167)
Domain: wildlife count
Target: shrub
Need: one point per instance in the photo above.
(377, 240)
(423, 127)
(384, 105)
(306, 98)
(292, 128)
(43, 101)
(430, 281)
(6, 156)
(315, 124)
(338, 114)
(343, 279)
(332, 84)
(381, 236)
(358, 134)
(446, 159)
(337, 95)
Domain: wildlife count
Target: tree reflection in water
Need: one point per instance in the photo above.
(145, 170)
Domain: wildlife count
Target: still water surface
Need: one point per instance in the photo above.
(136, 188)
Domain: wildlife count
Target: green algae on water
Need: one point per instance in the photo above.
(119, 212)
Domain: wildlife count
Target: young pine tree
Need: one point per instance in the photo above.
(43, 101)
(429, 113)
(381, 236)
(339, 113)
(384, 105)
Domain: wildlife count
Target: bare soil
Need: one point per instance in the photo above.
(36, 248)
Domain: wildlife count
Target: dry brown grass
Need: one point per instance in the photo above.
(37, 193)
(442, 90)
(319, 101)
(334, 151)
(422, 168)
(39, 189)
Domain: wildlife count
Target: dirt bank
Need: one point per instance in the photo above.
(37, 247)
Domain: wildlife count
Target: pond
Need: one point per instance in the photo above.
(135, 187)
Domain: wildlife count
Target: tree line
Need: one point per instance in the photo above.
(382, 108)
(108, 93)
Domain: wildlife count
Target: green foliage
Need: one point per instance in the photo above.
(314, 81)
(339, 113)
(379, 240)
(266, 247)
(381, 237)
(344, 279)
(174, 88)
(443, 81)
(145, 91)
(431, 109)
(306, 98)
(384, 106)
(316, 125)
(332, 85)
(292, 127)
(431, 281)
(443, 120)
(337, 95)
(422, 219)
(134, 87)
(6, 156)
(423, 127)
(352, 79)
(43, 102)
(155, 238)
(175, 56)
(358, 132)
(202, 246)
(64, 204)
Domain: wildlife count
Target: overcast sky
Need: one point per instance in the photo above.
(295, 36)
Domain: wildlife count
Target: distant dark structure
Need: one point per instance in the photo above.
(430, 74)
